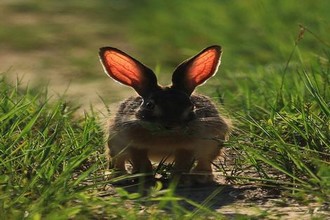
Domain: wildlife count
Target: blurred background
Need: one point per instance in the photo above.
(56, 43)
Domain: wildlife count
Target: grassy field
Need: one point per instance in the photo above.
(274, 82)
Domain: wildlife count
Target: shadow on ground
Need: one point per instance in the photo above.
(227, 200)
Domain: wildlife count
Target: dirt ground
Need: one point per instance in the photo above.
(60, 81)
(235, 201)
(246, 201)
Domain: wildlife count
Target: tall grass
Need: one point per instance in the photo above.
(51, 159)
(284, 125)
(52, 165)
(42, 150)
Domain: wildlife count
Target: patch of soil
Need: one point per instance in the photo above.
(234, 200)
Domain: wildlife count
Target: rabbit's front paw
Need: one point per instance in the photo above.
(194, 179)
(202, 179)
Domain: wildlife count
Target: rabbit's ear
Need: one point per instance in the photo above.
(197, 70)
(127, 70)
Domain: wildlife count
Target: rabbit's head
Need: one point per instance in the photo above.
(169, 106)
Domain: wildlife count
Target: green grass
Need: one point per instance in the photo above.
(42, 146)
(274, 83)
(52, 160)
(163, 33)
(284, 124)
(52, 165)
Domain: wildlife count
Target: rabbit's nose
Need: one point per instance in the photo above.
(167, 127)
(170, 125)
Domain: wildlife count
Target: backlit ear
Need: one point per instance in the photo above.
(196, 70)
(127, 70)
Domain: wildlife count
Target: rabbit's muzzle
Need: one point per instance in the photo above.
(169, 108)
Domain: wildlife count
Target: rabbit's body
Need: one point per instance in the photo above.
(203, 135)
(165, 123)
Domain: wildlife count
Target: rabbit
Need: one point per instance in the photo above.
(165, 121)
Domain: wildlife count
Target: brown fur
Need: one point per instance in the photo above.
(165, 122)
(201, 139)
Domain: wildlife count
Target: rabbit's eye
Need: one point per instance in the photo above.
(150, 105)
